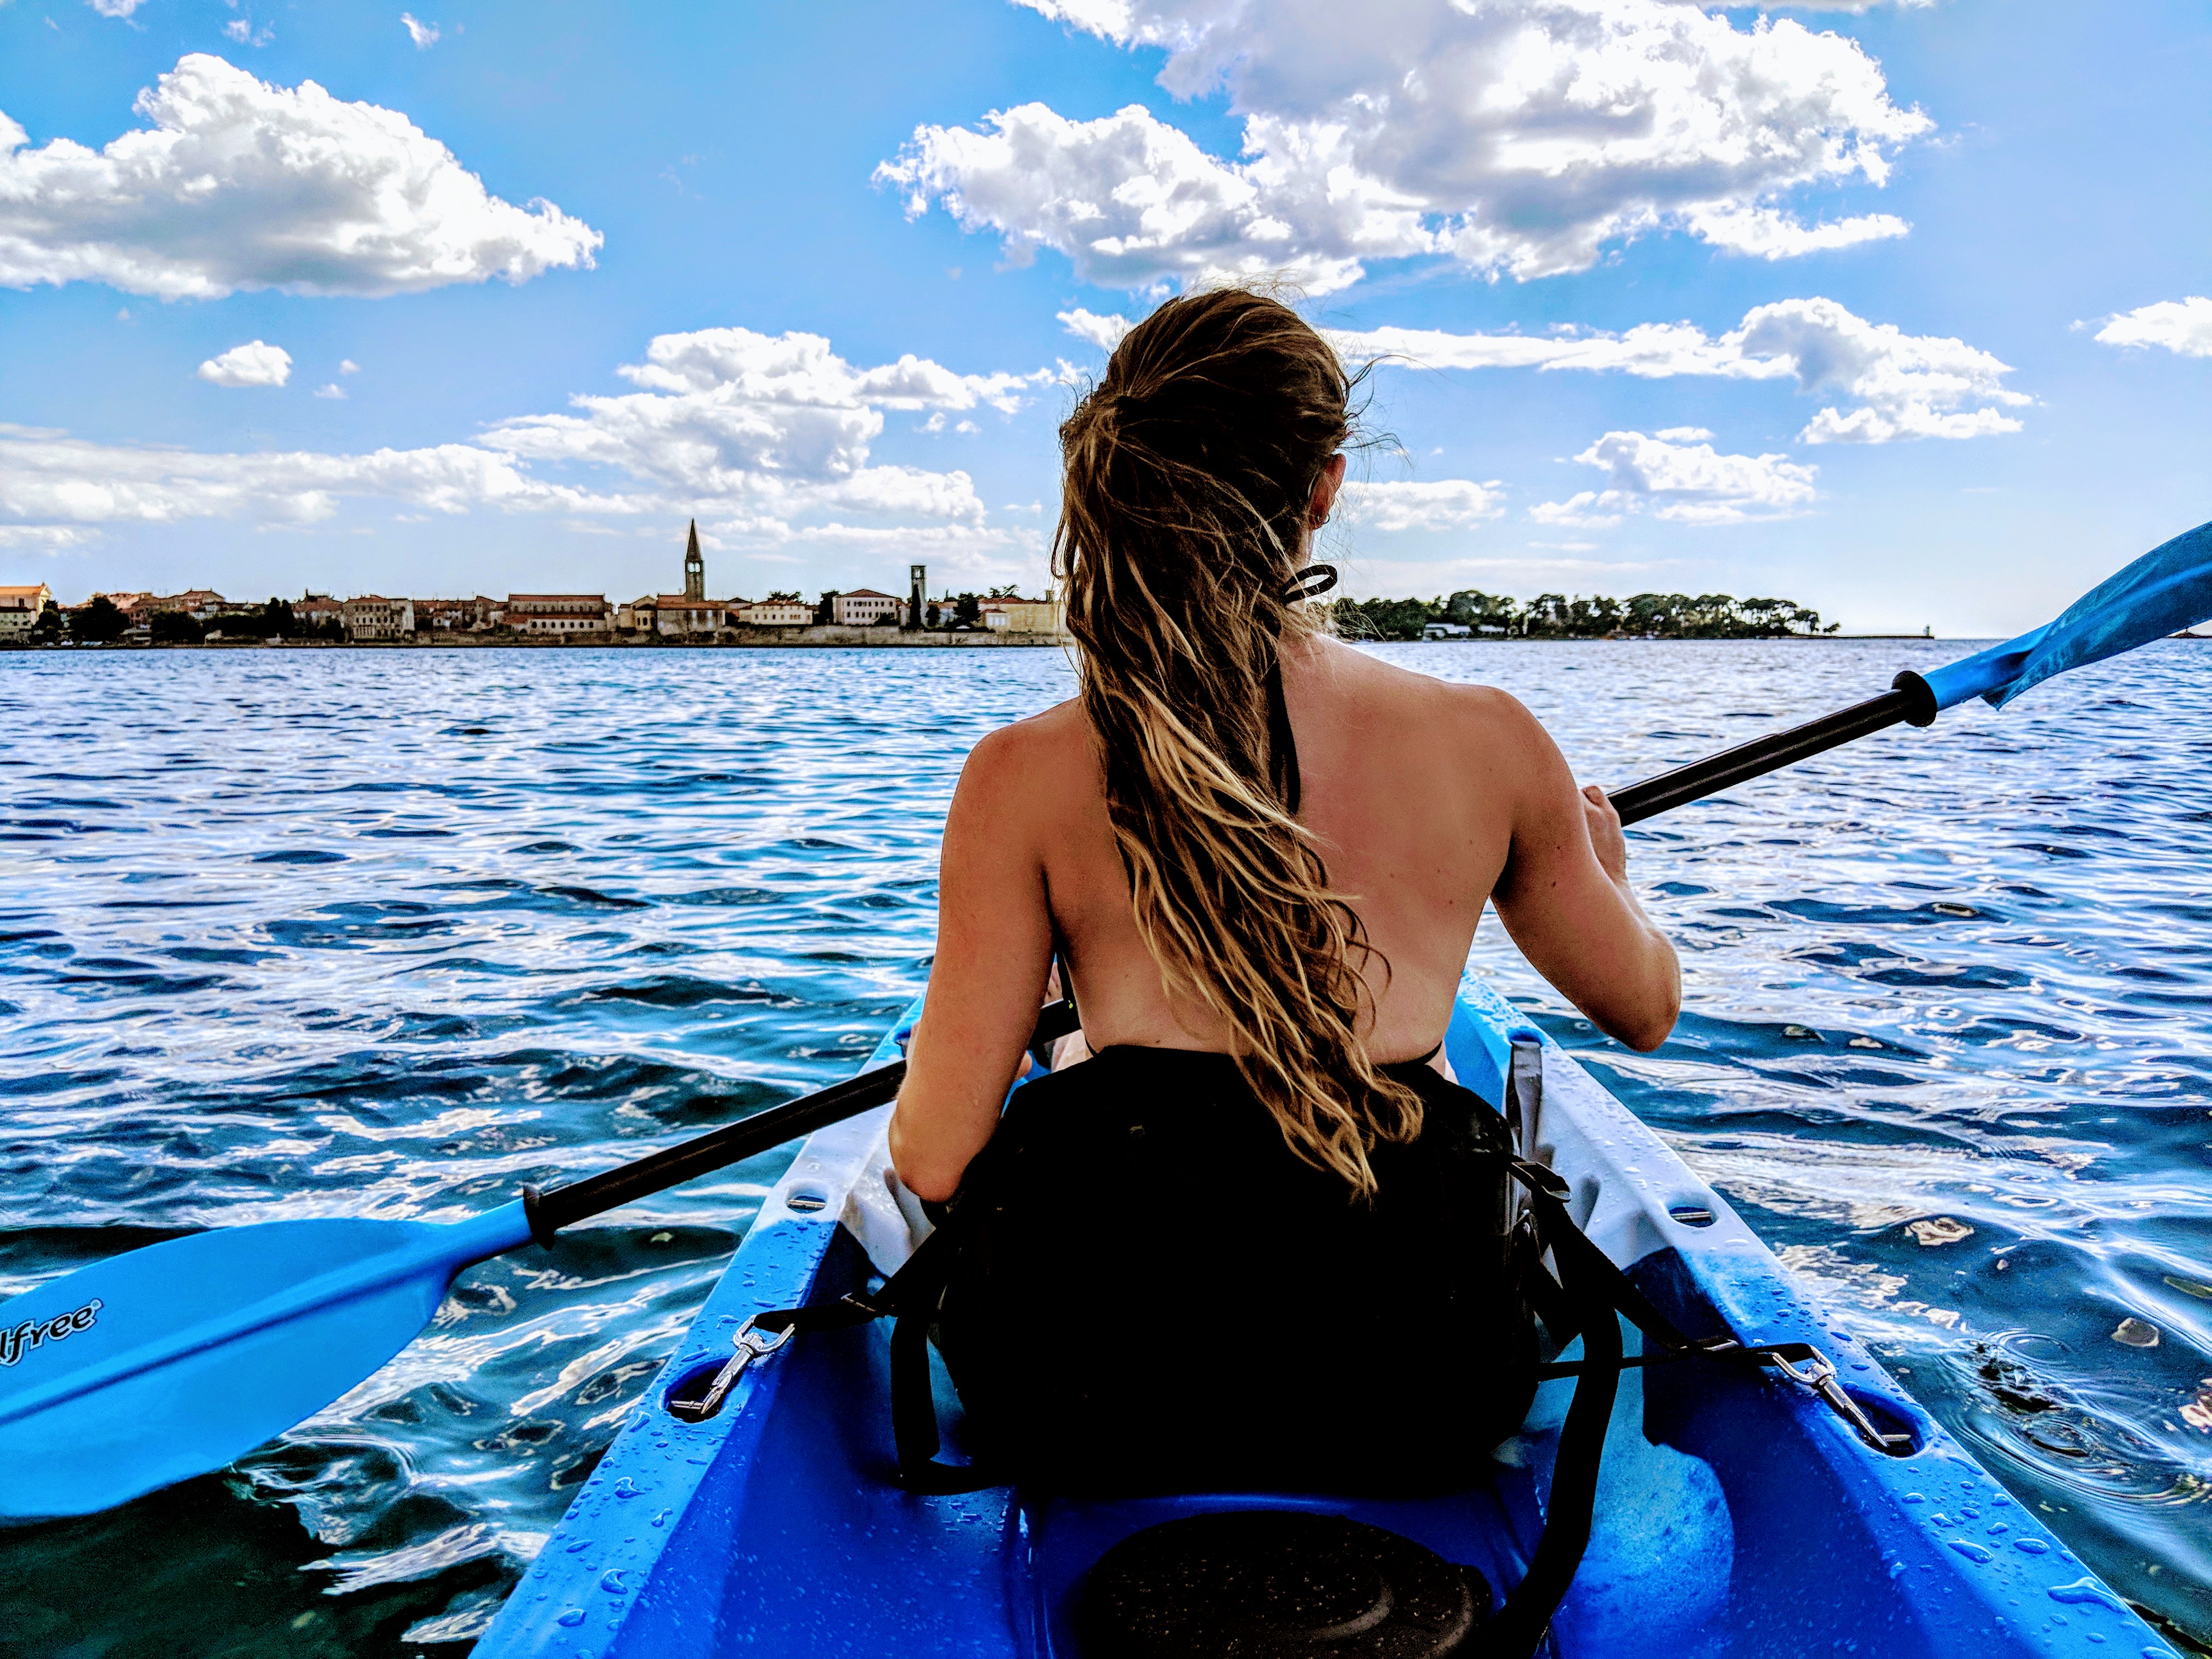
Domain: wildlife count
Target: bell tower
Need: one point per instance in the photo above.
(917, 577)
(694, 568)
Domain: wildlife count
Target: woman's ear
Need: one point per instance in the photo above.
(1324, 496)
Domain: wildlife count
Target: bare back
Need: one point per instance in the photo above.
(1414, 831)
(1426, 800)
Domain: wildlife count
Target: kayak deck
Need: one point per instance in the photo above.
(1736, 1513)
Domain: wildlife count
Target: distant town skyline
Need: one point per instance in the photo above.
(1899, 306)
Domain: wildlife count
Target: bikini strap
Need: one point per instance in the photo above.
(1282, 748)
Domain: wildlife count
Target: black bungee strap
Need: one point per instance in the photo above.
(909, 1299)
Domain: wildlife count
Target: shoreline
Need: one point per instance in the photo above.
(759, 639)
(869, 639)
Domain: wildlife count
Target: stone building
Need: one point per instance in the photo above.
(20, 608)
(776, 613)
(556, 614)
(448, 616)
(373, 616)
(682, 615)
(864, 608)
(1016, 616)
(694, 567)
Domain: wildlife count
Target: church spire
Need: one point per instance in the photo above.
(694, 567)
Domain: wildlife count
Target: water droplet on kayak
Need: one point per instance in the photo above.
(2086, 1591)
(1979, 1554)
(610, 1580)
(579, 1544)
(625, 1487)
(572, 1618)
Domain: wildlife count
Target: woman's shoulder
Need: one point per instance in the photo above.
(1057, 730)
(1401, 694)
(1047, 747)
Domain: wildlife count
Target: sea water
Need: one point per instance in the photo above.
(290, 932)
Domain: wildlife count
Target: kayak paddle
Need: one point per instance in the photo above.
(168, 1362)
(2166, 590)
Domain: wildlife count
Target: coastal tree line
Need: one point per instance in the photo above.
(102, 622)
(1557, 616)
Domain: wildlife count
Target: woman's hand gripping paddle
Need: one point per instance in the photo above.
(168, 1362)
(2166, 590)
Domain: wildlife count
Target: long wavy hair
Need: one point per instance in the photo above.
(1190, 470)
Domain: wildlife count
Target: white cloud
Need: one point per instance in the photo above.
(424, 35)
(1394, 506)
(347, 366)
(237, 183)
(333, 390)
(241, 30)
(1105, 332)
(59, 479)
(255, 363)
(1905, 386)
(1517, 135)
(1688, 483)
(766, 438)
(2179, 325)
(1768, 232)
(47, 538)
(115, 8)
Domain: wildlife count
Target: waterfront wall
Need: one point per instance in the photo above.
(762, 638)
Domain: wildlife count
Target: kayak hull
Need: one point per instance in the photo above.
(1737, 1514)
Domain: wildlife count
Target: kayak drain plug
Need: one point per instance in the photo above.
(1278, 1583)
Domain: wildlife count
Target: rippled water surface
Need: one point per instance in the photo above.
(390, 932)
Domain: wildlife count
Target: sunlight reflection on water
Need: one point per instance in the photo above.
(290, 933)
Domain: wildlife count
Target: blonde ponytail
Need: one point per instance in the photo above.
(1189, 471)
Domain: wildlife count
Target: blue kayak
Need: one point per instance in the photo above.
(1738, 1512)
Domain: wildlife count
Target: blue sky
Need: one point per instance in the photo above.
(1900, 310)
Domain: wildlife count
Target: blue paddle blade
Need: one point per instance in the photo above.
(2166, 590)
(165, 1363)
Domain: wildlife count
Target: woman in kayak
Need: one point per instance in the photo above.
(1260, 857)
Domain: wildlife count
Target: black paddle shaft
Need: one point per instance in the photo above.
(1910, 700)
(549, 1212)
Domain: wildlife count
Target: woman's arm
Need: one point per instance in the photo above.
(993, 948)
(1565, 897)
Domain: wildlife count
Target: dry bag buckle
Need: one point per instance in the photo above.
(752, 1344)
(1818, 1373)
